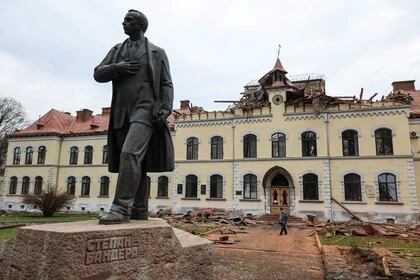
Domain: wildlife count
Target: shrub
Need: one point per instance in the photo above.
(49, 202)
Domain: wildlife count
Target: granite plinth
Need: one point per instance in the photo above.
(85, 250)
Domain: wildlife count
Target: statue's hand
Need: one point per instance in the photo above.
(163, 114)
(127, 67)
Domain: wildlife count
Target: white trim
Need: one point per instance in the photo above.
(192, 136)
(223, 184)
(308, 129)
(397, 183)
(310, 171)
(358, 130)
(286, 134)
(214, 135)
(362, 185)
(393, 130)
(244, 133)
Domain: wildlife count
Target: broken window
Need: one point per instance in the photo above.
(278, 145)
(71, 185)
(25, 185)
(250, 186)
(350, 143)
(88, 155)
(38, 185)
(383, 139)
(308, 144)
(163, 186)
(250, 146)
(387, 187)
(217, 147)
(29, 155)
(191, 185)
(192, 148)
(216, 186)
(352, 187)
(310, 187)
(74, 154)
(13, 185)
(16, 156)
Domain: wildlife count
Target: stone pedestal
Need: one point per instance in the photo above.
(85, 250)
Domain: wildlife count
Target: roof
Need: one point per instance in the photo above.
(415, 104)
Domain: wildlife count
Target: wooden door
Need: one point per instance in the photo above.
(280, 200)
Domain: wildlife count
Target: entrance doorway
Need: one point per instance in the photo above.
(280, 195)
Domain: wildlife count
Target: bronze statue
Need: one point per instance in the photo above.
(139, 140)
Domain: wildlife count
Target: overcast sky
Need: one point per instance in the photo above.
(49, 48)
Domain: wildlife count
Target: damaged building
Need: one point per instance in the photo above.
(284, 145)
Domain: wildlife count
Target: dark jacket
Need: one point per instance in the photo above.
(283, 218)
(160, 154)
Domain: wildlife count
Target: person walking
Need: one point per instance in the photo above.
(283, 217)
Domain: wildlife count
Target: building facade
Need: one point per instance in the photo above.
(285, 145)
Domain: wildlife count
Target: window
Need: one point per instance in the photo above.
(387, 187)
(148, 185)
(352, 187)
(308, 144)
(85, 186)
(74, 154)
(350, 143)
(383, 140)
(104, 190)
(41, 155)
(88, 155)
(16, 156)
(250, 186)
(163, 186)
(192, 148)
(71, 185)
(105, 154)
(278, 145)
(216, 186)
(38, 185)
(310, 187)
(250, 146)
(25, 185)
(13, 185)
(191, 186)
(217, 147)
(29, 155)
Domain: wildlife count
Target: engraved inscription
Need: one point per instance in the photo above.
(110, 249)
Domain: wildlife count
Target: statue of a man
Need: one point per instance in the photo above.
(139, 139)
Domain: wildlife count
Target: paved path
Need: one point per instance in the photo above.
(263, 254)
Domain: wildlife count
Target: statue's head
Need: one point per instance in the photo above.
(135, 22)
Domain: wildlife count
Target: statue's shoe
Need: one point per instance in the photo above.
(113, 218)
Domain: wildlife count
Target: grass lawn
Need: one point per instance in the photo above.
(20, 217)
(406, 246)
(7, 233)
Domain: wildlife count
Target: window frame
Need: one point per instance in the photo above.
(42, 153)
(250, 148)
(307, 183)
(387, 183)
(13, 185)
(382, 140)
(16, 155)
(309, 139)
(38, 185)
(25, 185)
(29, 155)
(104, 186)
(192, 148)
(279, 144)
(216, 147)
(85, 186)
(350, 135)
(74, 155)
(88, 156)
(105, 154)
(163, 189)
(191, 186)
(352, 185)
(71, 185)
(250, 191)
(216, 186)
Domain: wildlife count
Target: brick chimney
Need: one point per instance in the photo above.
(403, 85)
(185, 104)
(106, 110)
(83, 115)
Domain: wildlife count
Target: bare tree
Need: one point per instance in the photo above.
(12, 119)
(49, 201)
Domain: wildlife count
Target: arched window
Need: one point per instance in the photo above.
(387, 187)
(250, 186)
(250, 146)
(71, 185)
(310, 187)
(74, 155)
(192, 148)
(383, 140)
(104, 190)
(216, 186)
(42, 151)
(191, 186)
(38, 185)
(352, 187)
(85, 186)
(278, 145)
(88, 155)
(13, 185)
(148, 185)
(105, 154)
(16, 156)
(216, 147)
(29, 155)
(25, 185)
(350, 142)
(163, 186)
(308, 144)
